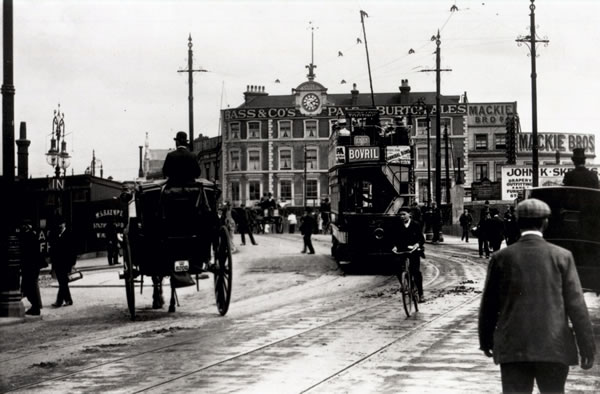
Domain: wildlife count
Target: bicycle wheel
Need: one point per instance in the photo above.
(415, 295)
(406, 290)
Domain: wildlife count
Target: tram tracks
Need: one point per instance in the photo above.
(332, 320)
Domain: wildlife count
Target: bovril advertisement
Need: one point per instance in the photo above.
(518, 178)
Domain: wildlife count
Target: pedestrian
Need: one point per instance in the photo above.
(416, 214)
(410, 235)
(292, 221)
(181, 166)
(31, 263)
(242, 221)
(580, 176)
(436, 222)
(229, 223)
(63, 258)
(495, 230)
(465, 220)
(483, 231)
(307, 227)
(326, 215)
(531, 292)
(112, 243)
(511, 227)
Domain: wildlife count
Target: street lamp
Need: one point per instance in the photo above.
(58, 159)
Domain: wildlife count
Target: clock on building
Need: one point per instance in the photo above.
(310, 102)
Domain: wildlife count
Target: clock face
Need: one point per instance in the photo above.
(310, 102)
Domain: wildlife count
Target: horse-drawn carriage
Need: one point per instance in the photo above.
(575, 225)
(175, 232)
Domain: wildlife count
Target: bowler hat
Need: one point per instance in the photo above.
(533, 208)
(181, 136)
(578, 153)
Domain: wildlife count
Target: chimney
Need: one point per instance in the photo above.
(354, 92)
(253, 91)
(404, 92)
(23, 152)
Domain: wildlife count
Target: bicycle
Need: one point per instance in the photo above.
(410, 295)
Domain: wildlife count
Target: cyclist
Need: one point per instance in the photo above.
(410, 236)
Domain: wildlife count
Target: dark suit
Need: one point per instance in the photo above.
(31, 261)
(181, 167)
(408, 236)
(242, 221)
(531, 292)
(581, 177)
(63, 259)
(306, 229)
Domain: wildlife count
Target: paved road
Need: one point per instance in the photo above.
(296, 324)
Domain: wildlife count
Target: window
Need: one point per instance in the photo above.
(285, 129)
(207, 169)
(285, 190)
(285, 159)
(311, 159)
(481, 142)
(499, 172)
(234, 131)
(310, 129)
(254, 190)
(481, 171)
(311, 189)
(446, 122)
(422, 127)
(500, 141)
(253, 129)
(253, 160)
(235, 191)
(422, 158)
(423, 190)
(235, 160)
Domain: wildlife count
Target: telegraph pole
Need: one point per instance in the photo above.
(362, 21)
(438, 131)
(531, 40)
(190, 72)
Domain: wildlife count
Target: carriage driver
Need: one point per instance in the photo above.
(410, 235)
(181, 166)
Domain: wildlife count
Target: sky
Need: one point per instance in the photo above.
(112, 65)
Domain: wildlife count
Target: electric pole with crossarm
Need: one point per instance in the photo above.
(190, 72)
(438, 132)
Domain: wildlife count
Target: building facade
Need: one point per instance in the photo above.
(279, 144)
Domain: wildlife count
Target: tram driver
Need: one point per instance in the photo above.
(410, 236)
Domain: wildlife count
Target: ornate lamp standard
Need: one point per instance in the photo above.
(58, 159)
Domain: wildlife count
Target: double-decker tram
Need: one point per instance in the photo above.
(371, 176)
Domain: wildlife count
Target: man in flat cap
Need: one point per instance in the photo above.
(580, 176)
(181, 166)
(410, 234)
(531, 292)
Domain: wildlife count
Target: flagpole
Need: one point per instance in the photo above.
(362, 21)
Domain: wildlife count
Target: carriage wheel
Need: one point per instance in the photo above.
(223, 272)
(129, 276)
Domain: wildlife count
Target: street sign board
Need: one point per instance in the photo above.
(363, 153)
(518, 178)
(397, 154)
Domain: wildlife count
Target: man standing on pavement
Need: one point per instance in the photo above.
(465, 220)
(63, 258)
(580, 176)
(31, 262)
(112, 242)
(436, 222)
(531, 292)
(306, 229)
(243, 224)
(409, 236)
